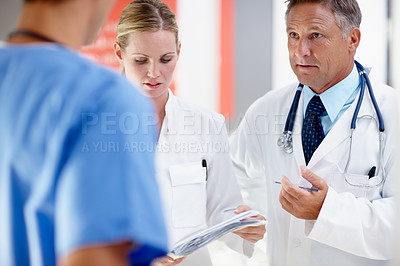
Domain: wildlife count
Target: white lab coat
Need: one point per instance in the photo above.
(355, 223)
(195, 197)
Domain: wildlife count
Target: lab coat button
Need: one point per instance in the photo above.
(296, 242)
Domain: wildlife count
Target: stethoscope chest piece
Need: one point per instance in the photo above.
(285, 141)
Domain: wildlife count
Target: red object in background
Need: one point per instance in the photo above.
(227, 82)
(102, 50)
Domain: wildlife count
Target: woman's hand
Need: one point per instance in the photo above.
(251, 233)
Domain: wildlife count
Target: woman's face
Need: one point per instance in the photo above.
(150, 59)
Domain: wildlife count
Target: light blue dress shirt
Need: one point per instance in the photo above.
(336, 99)
(76, 159)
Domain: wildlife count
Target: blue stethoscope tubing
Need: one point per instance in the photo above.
(362, 72)
(285, 140)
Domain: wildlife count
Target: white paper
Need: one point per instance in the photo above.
(196, 241)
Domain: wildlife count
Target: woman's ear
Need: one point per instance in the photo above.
(118, 55)
(118, 52)
(179, 49)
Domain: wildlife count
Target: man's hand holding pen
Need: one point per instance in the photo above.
(299, 202)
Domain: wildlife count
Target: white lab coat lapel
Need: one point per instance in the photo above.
(297, 140)
(341, 130)
(171, 124)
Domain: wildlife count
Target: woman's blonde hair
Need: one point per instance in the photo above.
(145, 15)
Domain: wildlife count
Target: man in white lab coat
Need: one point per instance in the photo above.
(349, 220)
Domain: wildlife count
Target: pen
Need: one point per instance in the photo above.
(204, 164)
(371, 172)
(312, 189)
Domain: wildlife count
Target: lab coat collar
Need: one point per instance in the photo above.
(297, 140)
(336, 96)
(338, 133)
(169, 124)
(341, 130)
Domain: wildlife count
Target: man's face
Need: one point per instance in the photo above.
(319, 56)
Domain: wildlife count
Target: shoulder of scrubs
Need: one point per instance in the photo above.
(77, 139)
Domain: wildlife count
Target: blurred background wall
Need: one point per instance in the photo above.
(8, 16)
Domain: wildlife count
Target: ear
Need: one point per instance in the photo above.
(354, 38)
(118, 52)
(179, 48)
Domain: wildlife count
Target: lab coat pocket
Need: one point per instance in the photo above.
(189, 195)
(375, 188)
(356, 186)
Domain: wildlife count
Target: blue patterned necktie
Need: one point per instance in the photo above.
(313, 133)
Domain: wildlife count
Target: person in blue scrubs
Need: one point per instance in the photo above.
(77, 181)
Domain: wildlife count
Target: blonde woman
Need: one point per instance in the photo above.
(194, 170)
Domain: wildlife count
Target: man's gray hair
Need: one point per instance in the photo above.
(347, 12)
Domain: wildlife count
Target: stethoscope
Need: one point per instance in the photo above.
(286, 142)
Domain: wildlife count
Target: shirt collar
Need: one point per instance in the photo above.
(336, 96)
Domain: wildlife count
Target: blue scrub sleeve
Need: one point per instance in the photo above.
(107, 191)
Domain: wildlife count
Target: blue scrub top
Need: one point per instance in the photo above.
(76, 159)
